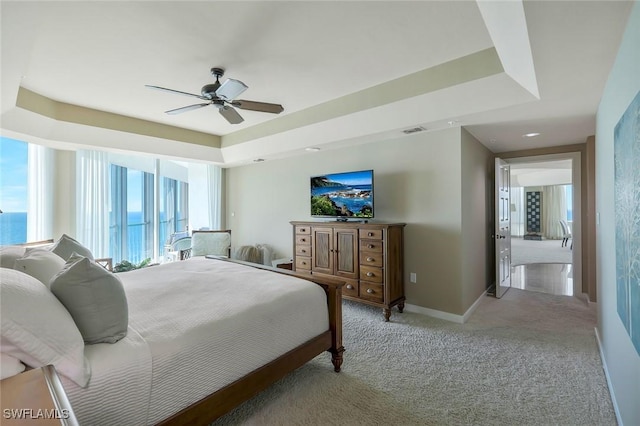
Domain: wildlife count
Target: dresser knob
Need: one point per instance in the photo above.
(369, 245)
(349, 287)
(370, 234)
(370, 259)
(303, 251)
(370, 274)
(370, 291)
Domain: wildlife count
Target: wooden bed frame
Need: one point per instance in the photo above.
(224, 400)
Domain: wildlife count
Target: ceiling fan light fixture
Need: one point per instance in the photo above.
(231, 89)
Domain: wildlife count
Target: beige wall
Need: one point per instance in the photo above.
(64, 201)
(477, 219)
(418, 181)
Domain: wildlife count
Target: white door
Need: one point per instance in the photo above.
(503, 227)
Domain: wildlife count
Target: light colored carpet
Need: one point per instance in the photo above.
(526, 359)
(525, 252)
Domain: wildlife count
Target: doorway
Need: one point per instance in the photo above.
(544, 190)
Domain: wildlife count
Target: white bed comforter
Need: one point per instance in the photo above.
(194, 327)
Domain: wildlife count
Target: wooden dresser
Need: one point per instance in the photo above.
(367, 256)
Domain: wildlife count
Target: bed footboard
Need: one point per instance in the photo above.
(224, 400)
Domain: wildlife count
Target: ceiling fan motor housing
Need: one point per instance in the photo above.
(209, 90)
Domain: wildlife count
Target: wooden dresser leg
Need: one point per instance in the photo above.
(387, 313)
(401, 306)
(336, 358)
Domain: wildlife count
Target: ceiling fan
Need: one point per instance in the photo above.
(223, 96)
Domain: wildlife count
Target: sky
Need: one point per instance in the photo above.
(13, 175)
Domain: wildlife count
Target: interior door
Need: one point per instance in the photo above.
(503, 227)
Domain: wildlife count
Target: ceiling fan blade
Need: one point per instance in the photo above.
(177, 91)
(231, 115)
(230, 89)
(258, 106)
(186, 108)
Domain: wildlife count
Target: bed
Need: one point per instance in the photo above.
(204, 335)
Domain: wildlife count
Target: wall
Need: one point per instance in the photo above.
(64, 200)
(418, 181)
(621, 361)
(477, 219)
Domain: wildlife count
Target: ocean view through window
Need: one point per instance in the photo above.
(13, 191)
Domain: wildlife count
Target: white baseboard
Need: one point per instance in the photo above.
(606, 375)
(460, 319)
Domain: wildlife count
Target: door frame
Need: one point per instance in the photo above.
(576, 232)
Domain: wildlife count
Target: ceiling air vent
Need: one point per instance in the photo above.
(413, 130)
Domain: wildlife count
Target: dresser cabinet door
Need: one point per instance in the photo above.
(346, 253)
(322, 250)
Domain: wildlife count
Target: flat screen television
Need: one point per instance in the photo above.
(343, 195)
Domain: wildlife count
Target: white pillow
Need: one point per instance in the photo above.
(9, 254)
(95, 299)
(216, 243)
(37, 329)
(9, 366)
(40, 264)
(267, 253)
(66, 246)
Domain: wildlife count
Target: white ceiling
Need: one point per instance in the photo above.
(345, 71)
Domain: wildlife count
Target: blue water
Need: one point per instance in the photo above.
(13, 228)
(337, 195)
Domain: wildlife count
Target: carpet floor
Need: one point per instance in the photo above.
(524, 252)
(526, 359)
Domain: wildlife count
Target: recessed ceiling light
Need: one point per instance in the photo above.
(312, 149)
(492, 140)
(452, 123)
(530, 135)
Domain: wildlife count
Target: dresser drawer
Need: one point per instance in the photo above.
(371, 273)
(303, 239)
(372, 259)
(371, 291)
(303, 230)
(303, 262)
(350, 288)
(303, 250)
(371, 234)
(371, 245)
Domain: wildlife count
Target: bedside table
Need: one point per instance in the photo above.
(35, 397)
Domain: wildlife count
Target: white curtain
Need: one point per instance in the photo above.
(214, 189)
(92, 189)
(41, 164)
(554, 208)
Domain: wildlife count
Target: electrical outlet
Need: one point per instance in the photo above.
(413, 277)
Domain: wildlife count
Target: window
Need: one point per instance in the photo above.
(569, 194)
(13, 191)
(174, 208)
(136, 231)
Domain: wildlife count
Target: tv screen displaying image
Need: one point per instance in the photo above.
(343, 195)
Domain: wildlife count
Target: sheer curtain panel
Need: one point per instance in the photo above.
(554, 208)
(92, 189)
(41, 164)
(214, 179)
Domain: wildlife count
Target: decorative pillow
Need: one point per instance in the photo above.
(95, 299)
(37, 329)
(267, 253)
(9, 254)
(66, 246)
(10, 366)
(40, 264)
(216, 243)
